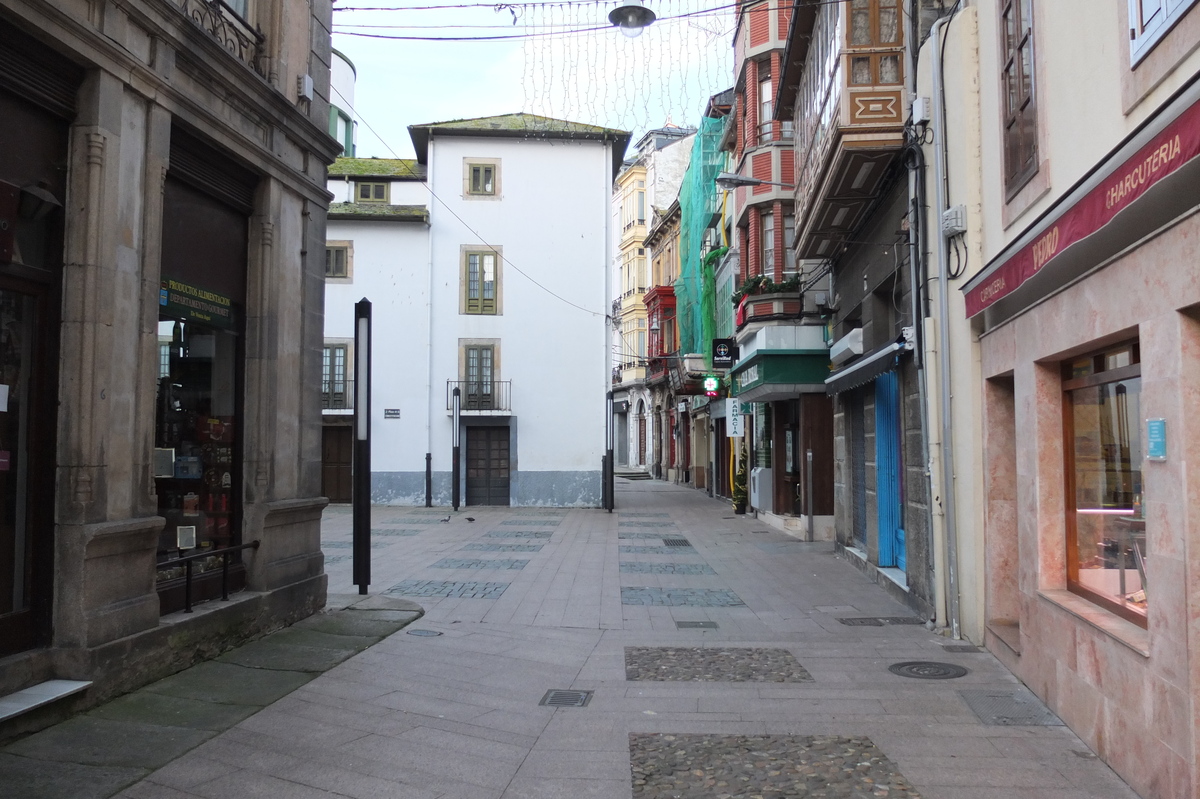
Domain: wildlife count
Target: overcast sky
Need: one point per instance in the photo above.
(597, 77)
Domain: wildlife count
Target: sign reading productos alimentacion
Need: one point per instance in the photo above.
(197, 304)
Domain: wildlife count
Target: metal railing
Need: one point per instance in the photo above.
(188, 560)
(480, 395)
(337, 395)
(232, 32)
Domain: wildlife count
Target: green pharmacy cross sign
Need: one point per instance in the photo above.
(711, 385)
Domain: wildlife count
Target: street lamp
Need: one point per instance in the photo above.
(631, 17)
(731, 180)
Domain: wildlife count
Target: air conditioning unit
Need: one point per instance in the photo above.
(847, 347)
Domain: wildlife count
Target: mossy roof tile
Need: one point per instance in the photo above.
(379, 211)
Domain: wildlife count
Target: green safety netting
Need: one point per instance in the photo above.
(699, 207)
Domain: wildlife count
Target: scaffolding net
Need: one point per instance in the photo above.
(699, 210)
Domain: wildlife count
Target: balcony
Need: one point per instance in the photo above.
(337, 395)
(480, 397)
(224, 24)
(849, 105)
(769, 307)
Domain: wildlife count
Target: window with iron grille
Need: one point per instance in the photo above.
(1020, 108)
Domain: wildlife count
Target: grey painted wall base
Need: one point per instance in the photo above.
(528, 489)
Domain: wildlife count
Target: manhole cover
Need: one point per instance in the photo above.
(927, 670)
(966, 649)
(424, 633)
(865, 621)
(562, 698)
(676, 542)
(695, 625)
(1015, 708)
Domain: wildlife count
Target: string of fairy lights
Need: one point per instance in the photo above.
(572, 64)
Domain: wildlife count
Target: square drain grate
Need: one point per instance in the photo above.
(696, 625)
(879, 621)
(676, 542)
(556, 697)
(1017, 708)
(865, 621)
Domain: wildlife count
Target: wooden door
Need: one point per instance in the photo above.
(337, 456)
(487, 466)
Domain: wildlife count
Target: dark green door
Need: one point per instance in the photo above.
(487, 466)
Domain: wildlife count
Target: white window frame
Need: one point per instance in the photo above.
(1144, 39)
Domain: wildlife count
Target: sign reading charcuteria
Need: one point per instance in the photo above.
(1163, 155)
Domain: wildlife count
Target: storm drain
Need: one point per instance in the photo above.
(1018, 708)
(676, 542)
(928, 670)
(965, 649)
(879, 621)
(696, 625)
(561, 698)
(424, 633)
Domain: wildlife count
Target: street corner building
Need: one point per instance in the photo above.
(484, 260)
(162, 215)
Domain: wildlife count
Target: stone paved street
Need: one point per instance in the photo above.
(735, 679)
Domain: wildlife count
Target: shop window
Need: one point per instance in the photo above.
(1106, 530)
(1150, 21)
(1017, 88)
(481, 282)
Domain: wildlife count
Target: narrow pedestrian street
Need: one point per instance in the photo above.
(669, 649)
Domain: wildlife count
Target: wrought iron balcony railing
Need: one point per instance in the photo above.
(223, 23)
(337, 395)
(480, 395)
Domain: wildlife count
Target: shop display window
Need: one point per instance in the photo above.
(196, 441)
(1107, 555)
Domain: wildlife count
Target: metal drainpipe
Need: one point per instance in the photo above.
(947, 443)
(429, 305)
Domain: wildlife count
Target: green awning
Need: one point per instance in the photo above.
(770, 375)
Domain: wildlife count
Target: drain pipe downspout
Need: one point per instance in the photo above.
(944, 410)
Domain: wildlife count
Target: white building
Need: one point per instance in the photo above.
(485, 263)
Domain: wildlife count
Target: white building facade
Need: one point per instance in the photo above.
(485, 264)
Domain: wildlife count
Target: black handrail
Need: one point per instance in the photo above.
(186, 560)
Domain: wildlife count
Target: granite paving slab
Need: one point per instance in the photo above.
(473, 563)
(529, 523)
(640, 567)
(402, 532)
(665, 766)
(638, 549)
(174, 711)
(93, 741)
(331, 560)
(350, 544)
(518, 534)
(625, 514)
(29, 778)
(625, 535)
(228, 682)
(440, 588)
(711, 664)
(477, 547)
(645, 524)
(698, 597)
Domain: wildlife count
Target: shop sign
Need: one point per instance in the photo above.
(197, 304)
(1156, 439)
(1167, 152)
(724, 353)
(735, 424)
(391, 413)
(748, 377)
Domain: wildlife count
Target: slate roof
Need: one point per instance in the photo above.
(394, 168)
(379, 211)
(520, 125)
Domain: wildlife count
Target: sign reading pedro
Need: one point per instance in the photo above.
(200, 305)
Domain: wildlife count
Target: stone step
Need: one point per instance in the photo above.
(35, 696)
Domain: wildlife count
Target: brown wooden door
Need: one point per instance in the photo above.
(337, 455)
(487, 466)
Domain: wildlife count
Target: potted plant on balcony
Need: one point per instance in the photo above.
(740, 496)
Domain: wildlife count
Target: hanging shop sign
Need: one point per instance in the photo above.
(724, 353)
(199, 305)
(1166, 153)
(735, 424)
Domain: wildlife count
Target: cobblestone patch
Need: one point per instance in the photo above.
(448, 589)
(640, 567)
(625, 535)
(392, 531)
(664, 766)
(504, 547)
(696, 664)
(645, 524)
(518, 534)
(471, 563)
(698, 597)
(350, 544)
(628, 515)
(634, 549)
(529, 523)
